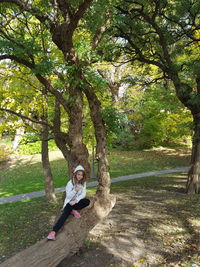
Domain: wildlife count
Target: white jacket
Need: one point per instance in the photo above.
(72, 194)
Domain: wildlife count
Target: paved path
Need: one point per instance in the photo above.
(28, 196)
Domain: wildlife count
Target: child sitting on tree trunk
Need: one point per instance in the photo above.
(75, 199)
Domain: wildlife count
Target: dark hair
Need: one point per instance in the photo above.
(74, 180)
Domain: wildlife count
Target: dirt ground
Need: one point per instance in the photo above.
(147, 227)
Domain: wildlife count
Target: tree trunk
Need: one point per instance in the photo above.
(193, 182)
(49, 187)
(78, 150)
(184, 93)
(71, 143)
(47, 253)
(18, 136)
(103, 174)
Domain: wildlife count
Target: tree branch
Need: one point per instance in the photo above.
(18, 60)
(24, 117)
(24, 6)
(140, 56)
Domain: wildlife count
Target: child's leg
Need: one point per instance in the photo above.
(81, 204)
(66, 212)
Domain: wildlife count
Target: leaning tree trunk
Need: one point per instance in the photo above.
(193, 182)
(47, 253)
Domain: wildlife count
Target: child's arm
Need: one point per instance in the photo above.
(70, 192)
(83, 193)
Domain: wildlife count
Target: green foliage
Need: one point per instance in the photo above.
(155, 116)
(30, 146)
(111, 118)
(44, 67)
(4, 153)
(164, 34)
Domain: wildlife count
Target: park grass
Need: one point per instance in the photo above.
(24, 174)
(153, 216)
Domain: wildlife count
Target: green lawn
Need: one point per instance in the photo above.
(25, 175)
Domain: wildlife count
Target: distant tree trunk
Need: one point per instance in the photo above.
(48, 177)
(18, 136)
(49, 187)
(193, 183)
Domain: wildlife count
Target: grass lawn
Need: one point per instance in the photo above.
(25, 173)
(152, 224)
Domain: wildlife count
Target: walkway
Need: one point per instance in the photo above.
(41, 193)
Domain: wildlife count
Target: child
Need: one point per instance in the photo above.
(75, 199)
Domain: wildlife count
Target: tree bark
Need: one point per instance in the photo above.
(184, 92)
(193, 182)
(78, 150)
(71, 143)
(103, 174)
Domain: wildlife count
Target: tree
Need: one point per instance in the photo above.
(30, 45)
(154, 114)
(27, 111)
(165, 34)
(42, 36)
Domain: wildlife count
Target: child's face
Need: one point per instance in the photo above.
(79, 175)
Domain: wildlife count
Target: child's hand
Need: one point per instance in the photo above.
(72, 203)
(77, 188)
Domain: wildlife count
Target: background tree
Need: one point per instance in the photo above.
(27, 108)
(154, 115)
(165, 34)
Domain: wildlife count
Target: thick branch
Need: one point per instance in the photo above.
(64, 137)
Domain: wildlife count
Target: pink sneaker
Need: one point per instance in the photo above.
(76, 214)
(51, 236)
